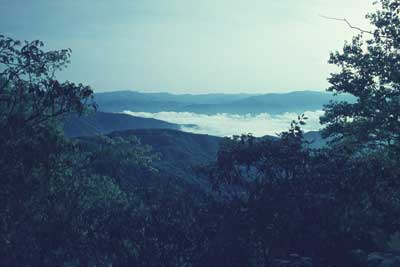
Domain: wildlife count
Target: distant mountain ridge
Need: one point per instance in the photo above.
(273, 103)
(105, 123)
(212, 98)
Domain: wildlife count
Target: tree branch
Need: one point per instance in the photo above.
(348, 24)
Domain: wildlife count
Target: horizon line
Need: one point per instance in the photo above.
(209, 93)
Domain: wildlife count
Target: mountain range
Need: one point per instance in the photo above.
(272, 103)
(179, 151)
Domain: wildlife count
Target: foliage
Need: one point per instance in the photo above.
(53, 209)
(101, 201)
(369, 70)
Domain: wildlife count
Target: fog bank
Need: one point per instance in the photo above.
(231, 124)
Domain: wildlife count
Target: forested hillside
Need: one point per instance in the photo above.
(162, 197)
(178, 153)
(104, 123)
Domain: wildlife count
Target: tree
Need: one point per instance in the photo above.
(32, 99)
(370, 71)
(54, 210)
(367, 132)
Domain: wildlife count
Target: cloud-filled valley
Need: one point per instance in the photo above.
(232, 124)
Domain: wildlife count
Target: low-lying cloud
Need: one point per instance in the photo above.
(232, 124)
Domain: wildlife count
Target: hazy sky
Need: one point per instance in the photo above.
(189, 46)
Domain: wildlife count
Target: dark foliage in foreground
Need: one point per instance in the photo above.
(101, 201)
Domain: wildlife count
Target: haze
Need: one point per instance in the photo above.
(233, 124)
(183, 46)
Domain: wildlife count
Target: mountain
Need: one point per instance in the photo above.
(119, 101)
(104, 123)
(173, 98)
(179, 151)
(298, 102)
(315, 139)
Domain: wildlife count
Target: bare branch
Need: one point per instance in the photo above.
(348, 24)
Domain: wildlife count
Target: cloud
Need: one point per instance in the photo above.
(231, 124)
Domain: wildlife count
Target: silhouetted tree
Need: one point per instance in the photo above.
(369, 70)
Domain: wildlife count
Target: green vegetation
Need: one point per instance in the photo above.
(115, 201)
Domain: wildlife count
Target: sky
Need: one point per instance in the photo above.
(188, 46)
